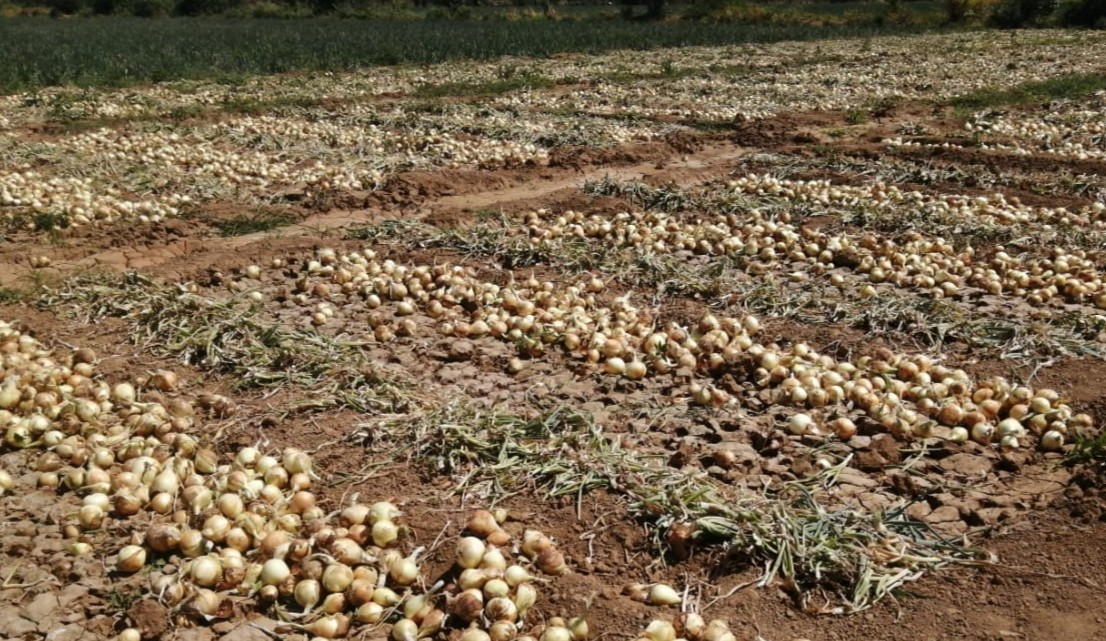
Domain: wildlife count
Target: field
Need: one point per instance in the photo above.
(772, 341)
(121, 51)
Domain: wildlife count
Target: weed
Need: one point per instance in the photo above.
(255, 107)
(521, 81)
(1088, 449)
(50, 220)
(254, 223)
(232, 337)
(1066, 87)
(122, 600)
(11, 296)
(862, 558)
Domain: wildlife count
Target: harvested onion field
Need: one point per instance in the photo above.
(773, 342)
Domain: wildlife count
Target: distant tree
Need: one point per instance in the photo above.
(1086, 13)
(203, 7)
(654, 9)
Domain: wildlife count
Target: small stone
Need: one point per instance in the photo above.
(873, 502)
(18, 627)
(992, 515)
(943, 514)
(71, 594)
(870, 461)
(42, 607)
(461, 350)
(968, 465)
(887, 447)
(918, 511)
(150, 617)
(254, 630)
(71, 632)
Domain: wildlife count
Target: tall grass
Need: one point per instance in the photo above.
(113, 51)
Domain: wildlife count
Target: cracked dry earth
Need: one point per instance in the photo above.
(1035, 521)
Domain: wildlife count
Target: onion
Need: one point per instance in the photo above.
(525, 597)
(556, 633)
(162, 537)
(238, 539)
(496, 588)
(192, 543)
(501, 609)
(274, 572)
(126, 504)
(578, 626)
(502, 631)
(231, 505)
(91, 517)
(1052, 440)
(164, 380)
(404, 571)
(99, 499)
(482, 523)
(405, 630)
(552, 562)
(386, 597)
(369, 613)
(206, 571)
(467, 605)
(800, 424)
(206, 602)
(131, 559)
(515, 575)
(472, 578)
(337, 577)
(216, 527)
(661, 594)
(295, 461)
(347, 551)
(470, 551)
(167, 482)
(384, 532)
(162, 503)
(383, 510)
(475, 634)
(659, 630)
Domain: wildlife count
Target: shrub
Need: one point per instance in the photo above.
(961, 11)
(1010, 14)
(1086, 13)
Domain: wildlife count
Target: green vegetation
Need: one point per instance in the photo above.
(1062, 87)
(1088, 449)
(511, 81)
(116, 51)
(11, 296)
(252, 223)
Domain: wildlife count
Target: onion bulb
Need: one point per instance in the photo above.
(206, 571)
(661, 594)
(131, 559)
(274, 572)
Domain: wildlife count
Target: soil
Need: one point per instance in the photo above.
(1043, 523)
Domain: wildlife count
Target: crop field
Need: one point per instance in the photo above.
(772, 342)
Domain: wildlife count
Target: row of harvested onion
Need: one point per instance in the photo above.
(909, 395)
(249, 525)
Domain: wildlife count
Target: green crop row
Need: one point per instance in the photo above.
(116, 51)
